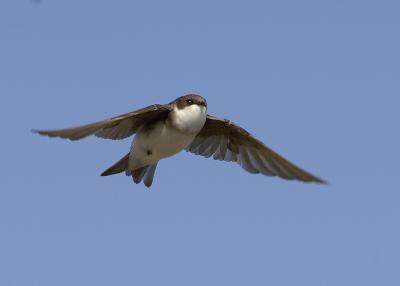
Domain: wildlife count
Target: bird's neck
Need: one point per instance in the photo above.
(189, 119)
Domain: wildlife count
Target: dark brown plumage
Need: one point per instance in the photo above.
(227, 141)
(118, 127)
(219, 137)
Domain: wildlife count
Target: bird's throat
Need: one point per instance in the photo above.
(190, 119)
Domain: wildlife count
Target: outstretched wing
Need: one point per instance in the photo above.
(118, 127)
(229, 142)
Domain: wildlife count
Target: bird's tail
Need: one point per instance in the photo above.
(145, 173)
(118, 167)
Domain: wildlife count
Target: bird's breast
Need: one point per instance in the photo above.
(159, 141)
(166, 138)
(188, 120)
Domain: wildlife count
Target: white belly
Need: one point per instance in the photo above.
(160, 142)
(165, 139)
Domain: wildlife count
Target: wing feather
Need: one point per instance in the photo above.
(245, 162)
(118, 127)
(229, 142)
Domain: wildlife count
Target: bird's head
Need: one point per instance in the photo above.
(190, 100)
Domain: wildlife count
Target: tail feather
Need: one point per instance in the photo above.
(118, 167)
(148, 178)
(138, 174)
(145, 173)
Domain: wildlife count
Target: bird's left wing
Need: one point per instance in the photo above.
(229, 142)
(118, 127)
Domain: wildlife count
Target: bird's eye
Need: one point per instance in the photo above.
(189, 101)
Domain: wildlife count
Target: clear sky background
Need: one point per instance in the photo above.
(318, 81)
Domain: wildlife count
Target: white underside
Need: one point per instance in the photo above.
(164, 140)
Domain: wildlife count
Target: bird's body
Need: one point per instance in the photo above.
(166, 138)
(162, 131)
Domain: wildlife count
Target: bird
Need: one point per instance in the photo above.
(163, 130)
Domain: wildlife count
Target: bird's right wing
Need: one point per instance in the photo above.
(118, 127)
(227, 141)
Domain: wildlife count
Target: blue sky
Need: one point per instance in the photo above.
(318, 81)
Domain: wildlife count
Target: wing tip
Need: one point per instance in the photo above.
(105, 173)
(42, 132)
(313, 179)
(320, 181)
(37, 131)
